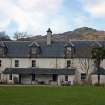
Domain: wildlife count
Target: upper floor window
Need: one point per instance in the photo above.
(16, 63)
(33, 63)
(0, 63)
(68, 63)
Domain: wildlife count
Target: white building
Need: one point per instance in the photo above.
(49, 62)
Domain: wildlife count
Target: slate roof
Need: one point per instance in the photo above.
(83, 49)
(21, 49)
(39, 71)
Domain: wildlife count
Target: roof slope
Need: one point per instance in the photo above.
(21, 49)
(64, 71)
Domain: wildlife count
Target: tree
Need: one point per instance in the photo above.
(4, 37)
(20, 35)
(98, 54)
(85, 65)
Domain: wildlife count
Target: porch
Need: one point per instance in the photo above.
(44, 76)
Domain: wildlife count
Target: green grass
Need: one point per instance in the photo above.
(37, 95)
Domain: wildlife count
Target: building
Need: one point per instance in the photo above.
(55, 63)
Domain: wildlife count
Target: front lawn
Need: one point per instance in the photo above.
(41, 95)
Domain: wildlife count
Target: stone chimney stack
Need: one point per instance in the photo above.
(49, 35)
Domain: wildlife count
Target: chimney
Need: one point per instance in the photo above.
(49, 35)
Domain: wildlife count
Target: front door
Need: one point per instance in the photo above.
(55, 77)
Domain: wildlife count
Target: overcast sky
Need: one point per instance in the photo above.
(36, 16)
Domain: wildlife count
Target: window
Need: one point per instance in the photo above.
(16, 63)
(34, 50)
(10, 77)
(83, 76)
(33, 77)
(54, 77)
(69, 49)
(1, 51)
(68, 63)
(0, 63)
(0, 75)
(33, 63)
(66, 78)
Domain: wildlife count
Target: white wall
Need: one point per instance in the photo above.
(61, 78)
(40, 63)
(46, 63)
(71, 78)
(94, 79)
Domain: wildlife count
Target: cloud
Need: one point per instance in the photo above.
(32, 15)
(80, 21)
(96, 8)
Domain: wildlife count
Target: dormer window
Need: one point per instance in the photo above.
(34, 49)
(1, 51)
(69, 50)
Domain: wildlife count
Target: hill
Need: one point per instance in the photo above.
(83, 33)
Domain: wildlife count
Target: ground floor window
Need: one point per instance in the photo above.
(83, 76)
(33, 77)
(66, 78)
(10, 77)
(55, 77)
(19, 78)
(0, 63)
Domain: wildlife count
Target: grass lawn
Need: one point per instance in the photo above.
(40, 95)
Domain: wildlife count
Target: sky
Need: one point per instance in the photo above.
(36, 16)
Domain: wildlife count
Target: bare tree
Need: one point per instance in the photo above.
(85, 65)
(20, 35)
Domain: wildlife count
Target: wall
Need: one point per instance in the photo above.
(95, 79)
(79, 65)
(45, 78)
(61, 78)
(47, 63)
(26, 63)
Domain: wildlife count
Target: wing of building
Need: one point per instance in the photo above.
(55, 63)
